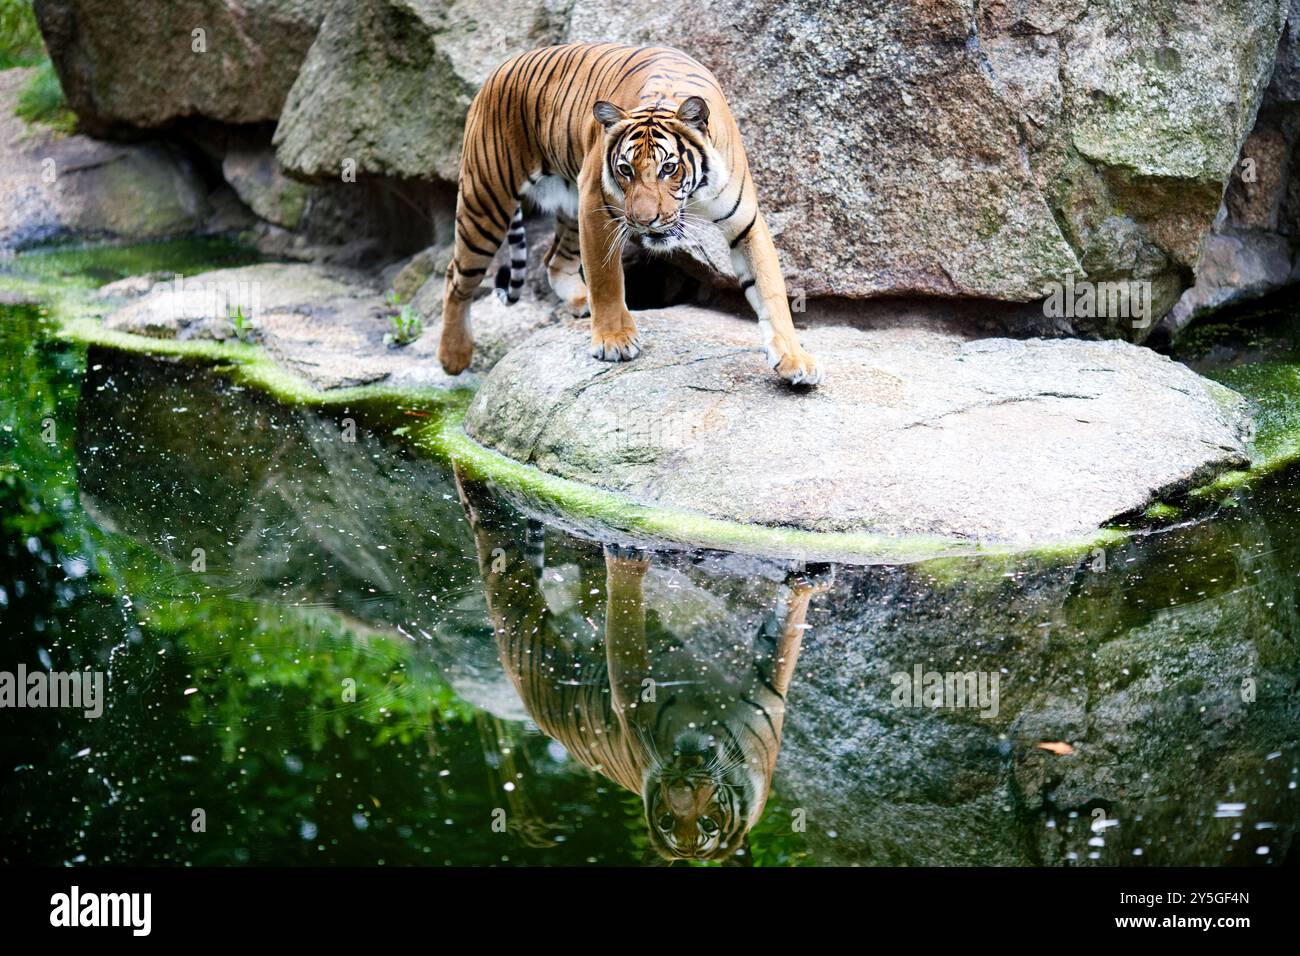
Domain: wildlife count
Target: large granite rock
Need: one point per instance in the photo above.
(385, 88)
(256, 178)
(1254, 248)
(915, 431)
(55, 187)
(129, 64)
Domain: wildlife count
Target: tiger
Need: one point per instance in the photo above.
(701, 748)
(620, 143)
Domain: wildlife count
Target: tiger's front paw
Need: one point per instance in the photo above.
(794, 365)
(620, 346)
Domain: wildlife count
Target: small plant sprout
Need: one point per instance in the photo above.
(242, 324)
(407, 326)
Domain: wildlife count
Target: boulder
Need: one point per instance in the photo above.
(144, 65)
(916, 431)
(255, 176)
(54, 186)
(386, 86)
(1254, 248)
(1236, 265)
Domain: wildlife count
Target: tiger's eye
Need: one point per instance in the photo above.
(709, 825)
(625, 170)
(667, 169)
(666, 822)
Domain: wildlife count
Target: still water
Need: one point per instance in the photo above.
(320, 646)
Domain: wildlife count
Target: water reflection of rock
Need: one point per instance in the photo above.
(1139, 666)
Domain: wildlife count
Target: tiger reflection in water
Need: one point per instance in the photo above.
(697, 739)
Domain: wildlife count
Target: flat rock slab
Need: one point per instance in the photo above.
(914, 431)
(324, 323)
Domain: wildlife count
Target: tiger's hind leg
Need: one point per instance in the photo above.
(481, 225)
(564, 266)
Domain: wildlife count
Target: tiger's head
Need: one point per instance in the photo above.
(656, 157)
(700, 799)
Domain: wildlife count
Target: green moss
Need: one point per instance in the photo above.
(991, 222)
(253, 366)
(20, 38)
(1162, 511)
(1274, 388)
(42, 101)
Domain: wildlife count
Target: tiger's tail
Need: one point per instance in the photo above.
(510, 279)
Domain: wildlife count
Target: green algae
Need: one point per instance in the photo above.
(1162, 511)
(56, 267)
(251, 365)
(1255, 351)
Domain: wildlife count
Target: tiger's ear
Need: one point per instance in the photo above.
(607, 114)
(694, 113)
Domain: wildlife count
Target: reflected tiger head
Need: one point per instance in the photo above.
(701, 798)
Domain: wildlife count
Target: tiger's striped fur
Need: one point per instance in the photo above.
(620, 142)
(699, 750)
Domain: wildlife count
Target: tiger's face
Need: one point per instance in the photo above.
(699, 799)
(656, 157)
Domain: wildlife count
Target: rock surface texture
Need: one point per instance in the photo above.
(325, 324)
(147, 64)
(914, 432)
(981, 149)
(1254, 248)
(57, 187)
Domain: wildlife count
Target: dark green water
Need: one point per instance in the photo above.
(1169, 665)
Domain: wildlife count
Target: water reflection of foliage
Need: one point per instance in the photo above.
(64, 579)
(286, 769)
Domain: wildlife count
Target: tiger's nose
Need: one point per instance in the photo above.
(643, 213)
